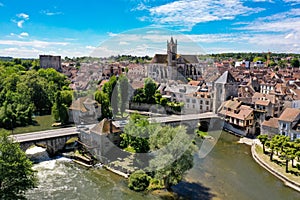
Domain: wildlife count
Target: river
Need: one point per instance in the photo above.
(228, 172)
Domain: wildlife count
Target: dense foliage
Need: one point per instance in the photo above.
(139, 181)
(16, 174)
(172, 147)
(136, 134)
(24, 91)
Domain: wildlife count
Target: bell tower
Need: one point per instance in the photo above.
(172, 52)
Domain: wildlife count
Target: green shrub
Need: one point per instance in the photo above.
(139, 181)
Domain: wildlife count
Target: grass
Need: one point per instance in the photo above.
(42, 123)
(277, 164)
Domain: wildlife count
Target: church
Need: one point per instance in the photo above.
(174, 66)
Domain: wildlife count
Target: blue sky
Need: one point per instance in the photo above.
(82, 28)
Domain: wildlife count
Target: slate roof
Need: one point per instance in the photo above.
(226, 77)
(160, 58)
(190, 58)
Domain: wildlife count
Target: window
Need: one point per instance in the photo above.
(207, 102)
(193, 100)
(188, 100)
(200, 107)
(201, 102)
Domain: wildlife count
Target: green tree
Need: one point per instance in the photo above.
(174, 157)
(139, 181)
(136, 134)
(263, 139)
(149, 90)
(67, 97)
(295, 63)
(270, 145)
(16, 174)
(102, 98)
(60, 110)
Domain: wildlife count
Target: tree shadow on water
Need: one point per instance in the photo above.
(187, 190)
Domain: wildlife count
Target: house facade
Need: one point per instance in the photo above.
(84, 110)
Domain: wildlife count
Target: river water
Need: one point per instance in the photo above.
(227, 172)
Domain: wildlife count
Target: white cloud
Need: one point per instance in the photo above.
(140, 7)
(20, 23)
(32, 43)
(49, 13)
(90, 47)
(110, 34)
(123, 43)
(23, 16)
(187, 13)
(281, 22)
(24, 34)
(292, 2)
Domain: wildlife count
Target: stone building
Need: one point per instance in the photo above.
(84, 110)
(238, 118)
(49, 61)
(224, 88)
(288, 123)
(174, 66)
(102, 141)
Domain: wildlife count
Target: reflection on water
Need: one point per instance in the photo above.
(228, 172)
(231, 173)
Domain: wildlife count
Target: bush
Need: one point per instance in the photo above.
(139, 181)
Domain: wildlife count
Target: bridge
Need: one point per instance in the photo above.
(207, 121)
(181, 118)
(53, 140)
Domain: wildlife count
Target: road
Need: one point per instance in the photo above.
(187, 117)
(46, 134)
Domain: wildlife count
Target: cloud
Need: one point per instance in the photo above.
(292, 2)
(24, 34)
(123, 43)
(1, 4)
(185, 14)
(23, 16)
(32, 43)
(90, 47)
(49, 13)
(140, 7)
(280, 22)
(110, 34)
(20, 23)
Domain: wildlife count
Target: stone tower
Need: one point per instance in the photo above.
(172, 52)
(224, 88)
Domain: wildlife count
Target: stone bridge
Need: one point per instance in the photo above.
(207, 121)
(53, 140)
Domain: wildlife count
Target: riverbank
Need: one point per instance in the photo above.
(267, 165)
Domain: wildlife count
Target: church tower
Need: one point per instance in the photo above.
(172, 52)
